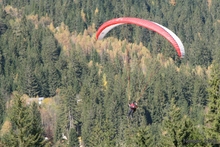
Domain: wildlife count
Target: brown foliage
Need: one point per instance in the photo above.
(34, 19)
(173, 2)
(209, 3)
(6, 127)
(62, 35)
(13, 11)
(48, 116)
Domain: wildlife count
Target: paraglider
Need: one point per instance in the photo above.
(133, 106)
(153, 26)
(163, 31)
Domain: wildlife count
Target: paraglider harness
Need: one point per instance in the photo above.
(133, 106)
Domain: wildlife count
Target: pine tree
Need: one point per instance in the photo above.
(30, 83)
(73, 140)
(212, 120)
(50, 50)
(1, 62)
(42, 78)
(26, 130)
(36, 128)
(178, 130)
(53, 80)
(2, 108)
(144, 137)
(60, 124)
(91, 110)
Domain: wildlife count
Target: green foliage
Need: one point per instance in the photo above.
(26, 125)
(31, 87)
(178, 130)
(144, 137)
(212, 118)
(92, 88)
(2, 109)
(50, 50)
(36, 127)
(73, 138)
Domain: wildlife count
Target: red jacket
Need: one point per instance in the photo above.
(132, 105)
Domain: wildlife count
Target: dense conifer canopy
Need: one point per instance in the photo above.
(48, 50)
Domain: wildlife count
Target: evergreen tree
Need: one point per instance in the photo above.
(61, 120)
(59, 13)
(53, 80)
(3, 26)
(2, 60)
(2, 108)
(178, 130)
(31, 87)
(212, 123)
(30, 62)
(144, 137)
(73, 139)
(50, 50)
(42, 79)
(36, 127)
(26, 125)
(91, 110)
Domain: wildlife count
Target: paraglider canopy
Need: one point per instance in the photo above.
(163, 31)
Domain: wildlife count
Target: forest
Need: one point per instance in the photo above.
(61, 87)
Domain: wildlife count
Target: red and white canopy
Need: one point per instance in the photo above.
(163, 31)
